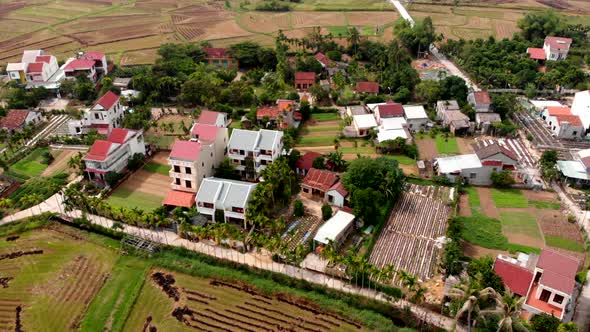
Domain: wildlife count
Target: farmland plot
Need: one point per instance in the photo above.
(408, 240)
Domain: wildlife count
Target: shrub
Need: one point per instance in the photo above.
(298, 209)
(47, 158)
(334, 55)
(571, 218)
(326, 211)
(502, 179)
(112, 178)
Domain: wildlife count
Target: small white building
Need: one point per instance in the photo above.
(336, 195)
(106, 114)
(466, 167)
(416, 117)
(563, 123)
(35, 66)
(363, 123)
(336, 229)
(556, 48)
(581, 108)
(229, 197)
(484, 121)
(112, 154)
(263, 146)
(212, 118)
(541, 105)
(392, 128)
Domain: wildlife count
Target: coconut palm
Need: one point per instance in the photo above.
(335, 159)
(469, 293)
(509, 308)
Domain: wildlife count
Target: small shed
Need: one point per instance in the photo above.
(336, 229)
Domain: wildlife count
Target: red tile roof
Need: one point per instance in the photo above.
(286, 105)
(205, 132)
(321, 57)
(79, 64)
(269, 112)
(320, 179)
(35, 67)
(482, 97)
(43, 58)
(14, 119)
(368, 87)
(559, 270)
(179, 198)
(108, 100)
(306, 161)
(573, 120)
(118, 135)
(390, 109)
(491, 163)
(536, 53)
(216, 52)
(558, 42)
(305, 77)
(99, 150)
(186, 150)
(559, 110)
(516, 278)
(208, 117)
(339, 187)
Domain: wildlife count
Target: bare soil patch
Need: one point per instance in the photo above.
(486, 203)
(60, 163)
(472, 250)
(526, 240)
(543, 196)
(408, 169)
(427, 148)
(464, 208)
(555, 223)
(161, 157)
(150, 183)
(464, 145)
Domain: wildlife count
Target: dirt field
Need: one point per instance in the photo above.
(60, 164)
(161, 157)
(148, 183)
(487, 204)
(427, 148)
(464, 208)
(472, 250)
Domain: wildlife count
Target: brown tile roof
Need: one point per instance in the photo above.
(484, 152)
(306, 161)
(367, 87)
(558, 42)
(14, 119)
(482, 97)
(390, 109)
(305, 77)
(320, 179)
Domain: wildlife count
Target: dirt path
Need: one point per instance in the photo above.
(464, 145)
(464, 208)
(427, 148)
(60, 163)
(486, 203)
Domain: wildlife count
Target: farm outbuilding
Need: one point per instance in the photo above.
(336, 229)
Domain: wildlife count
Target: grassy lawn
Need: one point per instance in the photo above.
(360, 150)
(111, 306)
(153, 167)
(322, 128)
(473, 197)
(545, 205)
(559, 242)
(487, 232)
(446, 146)
(403, 160)
(316, 141)
(126, 198)
(320, 117)
(520, 223)
(162, 141)
(31, 165)
(509, 198)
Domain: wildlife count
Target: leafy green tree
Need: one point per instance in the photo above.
(319, 163)
(226, 170)
(539, 25)
(366, 203)
(298, 209)
(428, 91)
(545, 323)
(502, 179)
(482, 269)
(509, 309)
(454, 88)
(470, 293)
(419, 37)
(504, 104)
(354, 39)
(568, 327)
(326, 211)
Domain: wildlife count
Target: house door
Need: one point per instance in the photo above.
(545, 295)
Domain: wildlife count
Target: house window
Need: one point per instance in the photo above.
(188, 184)
(96, 116)
(203, 164)
(237, 209)
(472, 175)
(330, 198)
(176, 169)
(208, 205)
(558, 299)
(305, 190)
(575, 133)
(187, 170)
(177, 181)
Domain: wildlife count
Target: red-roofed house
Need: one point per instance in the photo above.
(536, 53)
(336, 195)
(16, 120)
(100, 61)
(214, 137)
(563, 123)
(388, 110)
(220, 57)
(280, 115)
(323, 59)
(367, 87)
(106, 114)
(180, 199)
(480, 100)
(76, 67)
(317, 182)
(556, 48)
(218, 119)
(190, 162)
(304, 80)
(112, 154)
(548, 281)
(305, 162)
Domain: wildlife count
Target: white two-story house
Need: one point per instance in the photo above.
(251, 151)
(226, 200)
(112, 154)
(106, 114)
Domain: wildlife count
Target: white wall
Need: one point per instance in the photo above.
(337, 199)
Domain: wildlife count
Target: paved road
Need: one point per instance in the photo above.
(55, 204)
(449, 65)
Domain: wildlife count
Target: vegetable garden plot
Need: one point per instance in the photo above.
(408, 240)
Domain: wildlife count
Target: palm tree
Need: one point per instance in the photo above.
(509, 309)
(354, 38)
(469, 292)
(335, 159)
